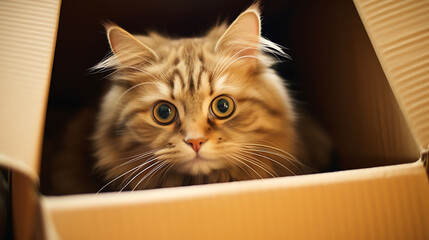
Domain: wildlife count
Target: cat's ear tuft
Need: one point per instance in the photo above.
(242, 36)
(128, 49)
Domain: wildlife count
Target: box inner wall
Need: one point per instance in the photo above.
(334, 71)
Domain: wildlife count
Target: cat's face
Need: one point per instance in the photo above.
(193, 111)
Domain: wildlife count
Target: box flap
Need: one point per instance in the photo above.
(377, 203)
(27, 40)
(399, 32)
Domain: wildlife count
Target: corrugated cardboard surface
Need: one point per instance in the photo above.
(27, 40)
(349, 90)
(379, 203)
(399, 32)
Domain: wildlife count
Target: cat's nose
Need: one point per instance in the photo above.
(196, 143)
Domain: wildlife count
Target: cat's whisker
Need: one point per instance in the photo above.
(239, 160)
(229, 160)
(149, 152)
(271, 149)
(244, 170)
(132, 179)
(270, 146)
(132, 159)
(245, 154)
(290, 156)
(135, 171)
(125, 163)
(285, 157)
(165, 172)
(155, 169)
(158, 169)
(116, 178)
(270, 159)
(258, 163)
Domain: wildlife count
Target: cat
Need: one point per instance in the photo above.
(196, 110)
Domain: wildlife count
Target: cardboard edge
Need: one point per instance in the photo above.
(46, 93)
(116, 209)
(425, 159)
(81, 201)
(20, 167)
(48, 226)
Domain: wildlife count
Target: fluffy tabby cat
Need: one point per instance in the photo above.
(195, 110)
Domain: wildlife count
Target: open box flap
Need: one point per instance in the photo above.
(376, 203)
(399, 33)
(27, 40)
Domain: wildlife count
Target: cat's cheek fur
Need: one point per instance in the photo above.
(144, 129)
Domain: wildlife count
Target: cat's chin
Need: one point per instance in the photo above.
(199, 165)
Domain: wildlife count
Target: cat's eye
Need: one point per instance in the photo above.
(222, 106)
(164, 113)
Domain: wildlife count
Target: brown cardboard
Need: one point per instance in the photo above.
(27, 31)
(374, 203)
(349, 89)
(27, 41)
(399, 32)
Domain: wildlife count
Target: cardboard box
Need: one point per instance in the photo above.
(385, 202)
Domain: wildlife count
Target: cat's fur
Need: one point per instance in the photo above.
(259, 140)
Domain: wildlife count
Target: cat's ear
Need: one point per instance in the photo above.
(242, 36)
(127, 49)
